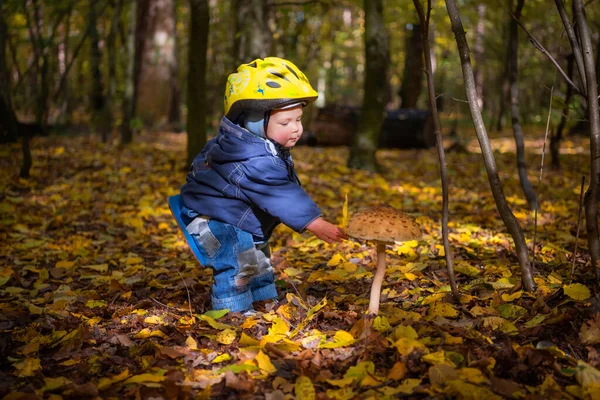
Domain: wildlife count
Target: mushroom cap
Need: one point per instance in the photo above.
(383, 223)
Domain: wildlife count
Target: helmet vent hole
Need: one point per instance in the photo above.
(252, 64)
(273, 85)
(292, 71)
(278, 74)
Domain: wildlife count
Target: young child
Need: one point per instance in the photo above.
(243, 183)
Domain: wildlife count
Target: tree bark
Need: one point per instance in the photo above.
(511, 223)
(591, 196)
(175, 107)
(573, 40)
(366, 137)
(478, 52)
(556, 139)
(157, 57)
(439, 140)
(513, 55)
(412, 79)
(253, 37)
(97, 100)
(196, 95)
(111, 46)
(8, 121)
(129, 97)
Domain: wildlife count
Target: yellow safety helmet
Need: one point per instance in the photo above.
(266, 84)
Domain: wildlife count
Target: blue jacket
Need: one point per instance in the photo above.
(249, 182)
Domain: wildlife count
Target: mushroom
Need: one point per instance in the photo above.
(382, 225)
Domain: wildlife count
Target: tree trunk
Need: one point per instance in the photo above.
(556, 139)
(157, 57)
(196, 95)
(175, 109)
(63, 57)
(412, 77)
(251, 42)
(129, 97)
(439, 140)
(366, 137)
(591, 196)
(111, 46)
(511, 223)
(478, 52)
(513, 56)
(97, 100)
(8, 121)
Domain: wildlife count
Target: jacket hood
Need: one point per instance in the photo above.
(229, 138)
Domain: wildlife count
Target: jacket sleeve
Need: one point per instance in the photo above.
(266, 184)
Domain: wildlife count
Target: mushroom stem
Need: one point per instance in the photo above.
(377, 279)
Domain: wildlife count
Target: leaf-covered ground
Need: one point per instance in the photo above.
(96, 284)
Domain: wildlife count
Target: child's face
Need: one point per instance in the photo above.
(285, 126)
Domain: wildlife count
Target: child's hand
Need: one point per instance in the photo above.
(326, 231)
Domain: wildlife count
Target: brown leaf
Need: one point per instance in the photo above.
(239, 382)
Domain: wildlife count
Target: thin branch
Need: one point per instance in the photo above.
(578, 224)
(573, 40)
(63, 78)
(13, 54)
(293, 3)
(541, 48)
(535, 212)
(188, 293)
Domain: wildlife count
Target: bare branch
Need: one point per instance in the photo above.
(541, 48)
(573, 40)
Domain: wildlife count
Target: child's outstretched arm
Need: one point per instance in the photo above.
(326, 231)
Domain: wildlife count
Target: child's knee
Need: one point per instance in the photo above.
(251, 263)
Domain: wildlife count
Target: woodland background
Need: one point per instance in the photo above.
(104, 102)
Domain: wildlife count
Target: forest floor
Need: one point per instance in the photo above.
(100, 297)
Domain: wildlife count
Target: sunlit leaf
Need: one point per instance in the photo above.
(304, 389)
(577, 291)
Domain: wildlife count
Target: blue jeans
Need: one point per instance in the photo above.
(242, 270)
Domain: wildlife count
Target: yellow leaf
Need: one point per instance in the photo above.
(277, 331)
(360, 371)
(410, 276)
(467, 269)
(370, 380)
(104, 383)
(405, 331)
(304, 389)
(381, 324)
(223, 357)
(264, 363)
(500, 323)
(590, 331)
(191, 343)
(33, 309)
(146, 333)
(340, 339)
(65, 264)
(154, 320)
(442, 310)
(28, 366)
(577, 291)
(145, 378)
(336, 260)
(246, 340)
(407, 386)
(435, 358)
(5, 275)
(398, 371)
(535, 321)
(226, 336)
(587, 375)
(55, 383)
(215, 324)
(291, 272)
(97, 267)
(95, 303)
(249, 323)
(405, 346)
(472, 375)
(340, 382)
(510, 297)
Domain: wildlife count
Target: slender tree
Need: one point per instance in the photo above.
(439, 139)
(97, 98)
(196, 94)
(479, 51)
(591, 195)
(129, 97)
(8, 121)
(511, 223)
(412, 77)
(513, 76)
(556, 138)
(365, 139)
